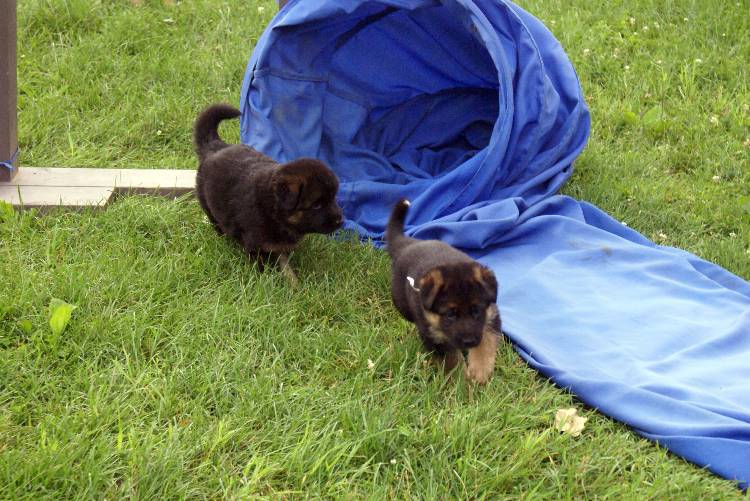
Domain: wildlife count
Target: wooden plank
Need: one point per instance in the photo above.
(8, 90)
(166, 182)
(83, 187)
(45, 197)
(158, 181)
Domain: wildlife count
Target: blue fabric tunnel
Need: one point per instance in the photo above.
(471, 109)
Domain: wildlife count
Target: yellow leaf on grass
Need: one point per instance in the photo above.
(568, 421)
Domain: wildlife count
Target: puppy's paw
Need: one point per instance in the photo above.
(291, 278)
(480, 361)
(479, 374)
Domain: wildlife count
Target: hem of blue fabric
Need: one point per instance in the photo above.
(8, 164)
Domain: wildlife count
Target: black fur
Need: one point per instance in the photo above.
(453, 299)
(266, 206)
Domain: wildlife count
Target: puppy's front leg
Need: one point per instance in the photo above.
(480, 361)
(448, 360)
(287, 271)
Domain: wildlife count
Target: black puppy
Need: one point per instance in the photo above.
(450, 297)
(268, 207)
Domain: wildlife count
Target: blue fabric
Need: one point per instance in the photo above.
(471, 109)
(8, 164)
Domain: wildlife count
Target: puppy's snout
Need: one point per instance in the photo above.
(338, 217)
(470, 340)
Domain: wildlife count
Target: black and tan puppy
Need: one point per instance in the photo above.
(268, 207)
(450, 297)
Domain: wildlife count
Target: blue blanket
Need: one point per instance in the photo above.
(471, 109)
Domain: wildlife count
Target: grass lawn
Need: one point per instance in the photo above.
(185, 373)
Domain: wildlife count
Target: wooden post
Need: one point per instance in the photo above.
(8, 96)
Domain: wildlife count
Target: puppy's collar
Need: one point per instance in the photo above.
(411, 283)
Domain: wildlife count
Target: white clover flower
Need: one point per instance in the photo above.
(631, 21)
(747, 143)
(586, 52)
(714, 120)
(393, 461)
(733, 234)
(370, 364)
(685, 19)
(645, 28)
(699, 60)
(657, 25)
(627, 67)
(716, 179)
(261, 9)
(658, 61)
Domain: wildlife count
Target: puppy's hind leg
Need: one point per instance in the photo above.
(214, 223)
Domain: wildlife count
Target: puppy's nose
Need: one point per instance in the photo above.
(339, 219)
(470, 341)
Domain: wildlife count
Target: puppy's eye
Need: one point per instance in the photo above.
(450, 314)
(475, 312)
(317, 206)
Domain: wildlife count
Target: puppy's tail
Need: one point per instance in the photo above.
(206, 129)
(394, 233)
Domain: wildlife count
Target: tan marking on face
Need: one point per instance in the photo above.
(433, 319)
(433, 324)
(295, 218)
(480, 360)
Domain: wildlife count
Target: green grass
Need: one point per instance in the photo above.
(185, 373)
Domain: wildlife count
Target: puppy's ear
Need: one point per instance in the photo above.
(289, 191)
(429, 286)
(486, 278)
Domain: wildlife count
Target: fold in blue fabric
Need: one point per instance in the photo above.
(472, 110)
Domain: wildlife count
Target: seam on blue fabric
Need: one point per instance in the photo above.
(505, 106)
(525, 28)
(348, 96)
(289, 76)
